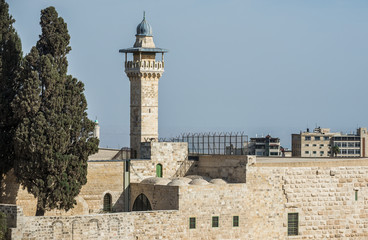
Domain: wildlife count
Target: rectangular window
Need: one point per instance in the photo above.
(192, 223)
(356, 195)
(326, 138)
(314, 145)
(343, 151)
(235, 221)
(317, 138)
(293, 223)
(357, 151)
(357, 144)
(306, 152)
(314, 152)
(351, 144)
(307, 145)
(351, 151)
(307, 138)
(321, 145)
(322, 152)
(215, 221)
(127, 165)
(344, 144)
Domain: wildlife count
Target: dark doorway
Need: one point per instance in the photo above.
(142, 203)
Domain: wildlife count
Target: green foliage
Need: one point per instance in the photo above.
(10, 60)
(335, 150)
(53, 140)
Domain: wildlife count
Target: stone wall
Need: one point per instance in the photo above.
(228, 167)
(160, 197)
(103, 177)
(173, 156)
(323, 193)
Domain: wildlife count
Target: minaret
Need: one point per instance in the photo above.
(96, 130)
(143, 72)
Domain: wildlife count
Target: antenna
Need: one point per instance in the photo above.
(144, 15)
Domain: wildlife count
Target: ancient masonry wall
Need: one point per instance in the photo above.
(103, 177)
(331, 200)
(228, 167)
(160, 197)
(214, 200)
(173, 157)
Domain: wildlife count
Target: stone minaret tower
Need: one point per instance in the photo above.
(143, 72)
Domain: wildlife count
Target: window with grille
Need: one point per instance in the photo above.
(235, 221)
(107, 202)
(215, 221)
(293, 223)
(192, 223)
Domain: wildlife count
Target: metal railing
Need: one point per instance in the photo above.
(214, 143)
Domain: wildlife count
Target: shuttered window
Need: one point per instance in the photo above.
(293, 223)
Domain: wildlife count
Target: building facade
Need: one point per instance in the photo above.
(321, 141)
(264, 146)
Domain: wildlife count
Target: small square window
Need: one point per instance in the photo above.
(192, 223)
(215, 221)
(293, 224)
(326, 138)
(314, 145)
(314, 152)
(235, 221)
(307, 138)
(307, 145)
(321, 145)
(317, 138)
(306, 152)
(322, 152)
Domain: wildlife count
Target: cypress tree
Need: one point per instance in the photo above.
(53, 140)
(10, 60)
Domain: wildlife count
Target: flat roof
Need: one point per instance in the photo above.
(140, 49)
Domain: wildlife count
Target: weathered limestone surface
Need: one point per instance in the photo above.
(228, 167)
(322, 192)
(160, 197)
(173, 156)
(103, 177)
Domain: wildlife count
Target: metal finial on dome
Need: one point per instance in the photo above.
(144, 28)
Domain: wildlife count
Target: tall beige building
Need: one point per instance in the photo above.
(144, 72)
(319, 143)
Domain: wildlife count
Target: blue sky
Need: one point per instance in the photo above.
(262, 67)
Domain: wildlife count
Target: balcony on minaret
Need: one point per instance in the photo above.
(144, 66)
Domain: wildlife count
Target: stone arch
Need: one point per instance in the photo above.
(77, 232)
(141, 203)
(57, 230)
(114, 228)
(93, 229)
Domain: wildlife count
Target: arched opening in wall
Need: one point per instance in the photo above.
(158, 170)
(107, 202)
(142, 203)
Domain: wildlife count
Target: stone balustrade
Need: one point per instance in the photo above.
(144, 65)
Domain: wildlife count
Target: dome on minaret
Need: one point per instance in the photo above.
(144, 28)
